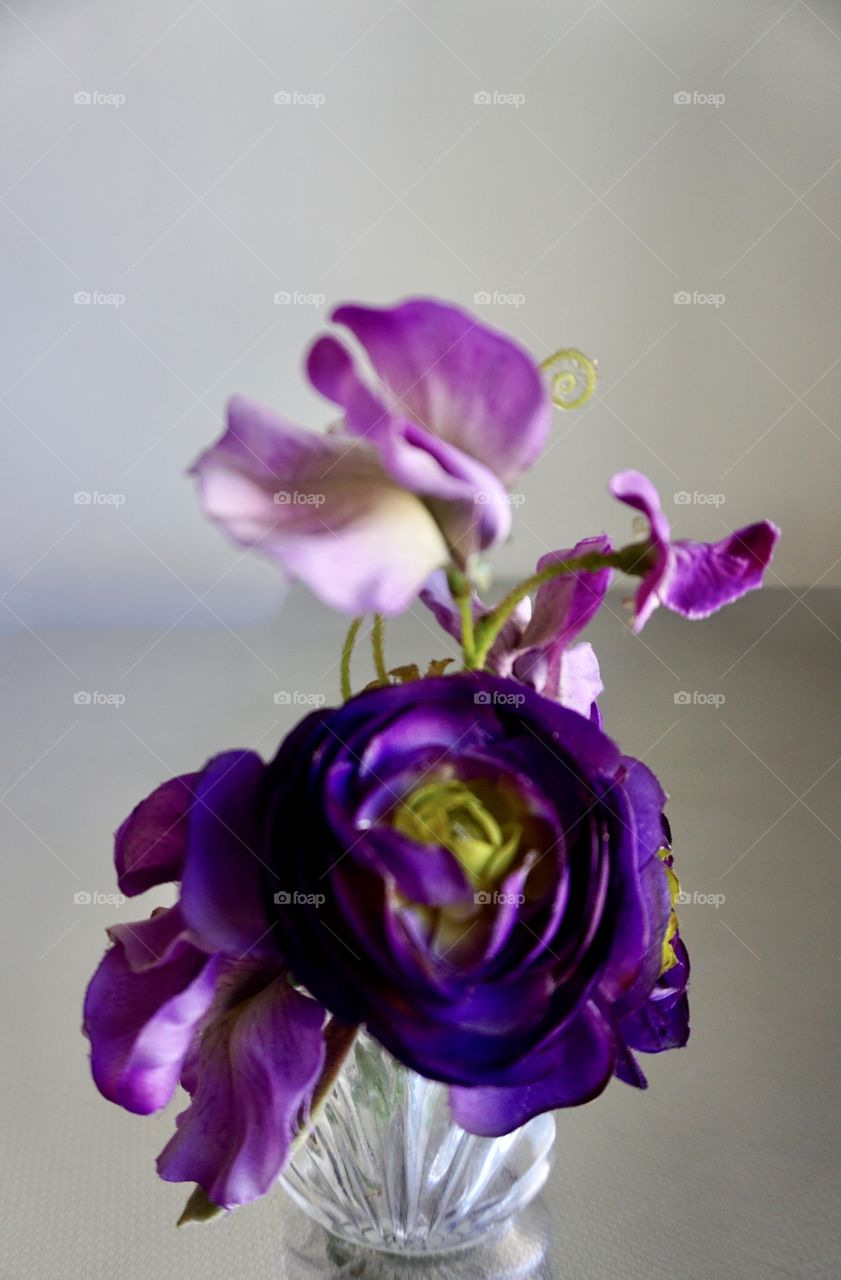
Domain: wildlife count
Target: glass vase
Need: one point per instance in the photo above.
(386, 1167)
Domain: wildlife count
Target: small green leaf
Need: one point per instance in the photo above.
(199, 1208)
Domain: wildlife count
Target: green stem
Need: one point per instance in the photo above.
(378, 646)
(462, 593)
(347, 650)
(490, 626)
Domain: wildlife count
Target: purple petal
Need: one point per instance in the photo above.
(470, 503)
(322, 507)
(225, 874)
(638, 492)
(574, 1068)
(465, 383)
(149, 846)
(141, 1024)
(564, 606)
(257, 1068)
(579, 679)
(705, 576)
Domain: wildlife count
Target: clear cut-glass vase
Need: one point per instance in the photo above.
(385, 1166)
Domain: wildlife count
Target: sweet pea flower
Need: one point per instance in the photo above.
(691, 578)
(415, 475)
(535, 645)
(198, 994)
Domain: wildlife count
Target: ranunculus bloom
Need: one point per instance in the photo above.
(492, 904)
(416, 473)
(535, 645)
(466, 867)
(692, 578)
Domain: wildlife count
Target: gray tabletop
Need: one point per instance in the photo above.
(727, 1166)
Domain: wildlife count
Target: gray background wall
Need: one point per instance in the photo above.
(584, 204)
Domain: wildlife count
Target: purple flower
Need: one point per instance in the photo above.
(492, 905)
(199, 994)
(692, 578)
(535, 644)
(466, 867)
(415, 474)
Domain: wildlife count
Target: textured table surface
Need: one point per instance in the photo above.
(727, 1166)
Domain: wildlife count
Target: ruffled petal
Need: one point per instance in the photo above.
(468, 501)
(149, 846)
(225, 874)
(458, 379)
(322, 507)
(706, 576)
(573, 1068)
(257, 1067)
(141, 1024)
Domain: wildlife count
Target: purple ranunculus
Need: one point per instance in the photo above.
(464, 866)
(692, 578)
(490, 899)
(535, 645)
(415, 475)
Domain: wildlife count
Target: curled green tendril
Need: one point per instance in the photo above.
(573, 377)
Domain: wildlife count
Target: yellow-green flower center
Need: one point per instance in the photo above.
(669, 958)
(472, 819)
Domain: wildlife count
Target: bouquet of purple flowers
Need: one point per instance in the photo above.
(462, 862)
